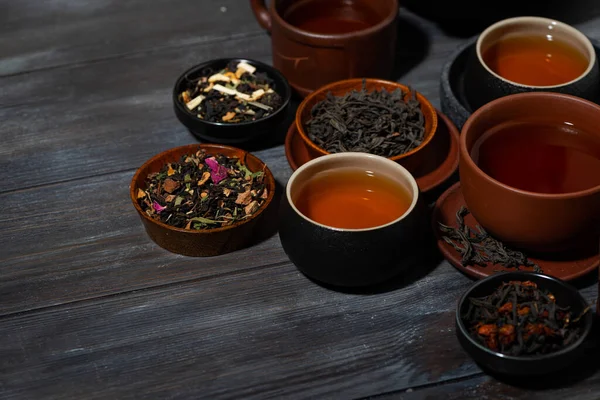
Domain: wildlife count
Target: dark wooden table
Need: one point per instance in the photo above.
(91, 308)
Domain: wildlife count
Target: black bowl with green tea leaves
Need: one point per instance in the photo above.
(202, 199)
(231, 100)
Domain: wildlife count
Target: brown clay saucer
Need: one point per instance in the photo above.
(437, 161)
(565, 268)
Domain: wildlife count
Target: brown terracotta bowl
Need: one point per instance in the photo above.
(340, 88)
(208, 242)
(537, 222)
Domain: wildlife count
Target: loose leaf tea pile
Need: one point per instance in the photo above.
(521, 319)
(235, 94)
(203, 192)
(478, 248)
(377, 122)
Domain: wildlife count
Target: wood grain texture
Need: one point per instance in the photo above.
(40, 35)
(263, 333)
(267, 333)
(91, 308)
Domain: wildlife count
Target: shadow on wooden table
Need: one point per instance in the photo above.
(580, 370)
(269, 224)
(412, 46)
(464, 19)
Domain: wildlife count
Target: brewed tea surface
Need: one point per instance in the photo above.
(352, 198)
(535, 60)
(538, 157)
(331, 17)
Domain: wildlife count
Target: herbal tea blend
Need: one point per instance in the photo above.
(521, 319)
(479, 248)
(235, 94)
(203, 192)
(377, 122)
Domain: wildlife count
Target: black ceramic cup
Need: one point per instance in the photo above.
(565, 294)
(232, 133)
(351, 257)
(483, 84)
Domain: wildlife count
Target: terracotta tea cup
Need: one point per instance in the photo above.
(538, 222)
(309, 59)
(410, 159)
(483, 84)
(204, 242)
(351, 257)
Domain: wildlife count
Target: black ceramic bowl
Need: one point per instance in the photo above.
(453, 98)
(484, 85)
(351, 257)
(565, 295)
(232, 133)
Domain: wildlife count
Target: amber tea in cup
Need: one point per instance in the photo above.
(352, 198)
(333, 16)
(539, 157)
(535, 59)
(535, 52)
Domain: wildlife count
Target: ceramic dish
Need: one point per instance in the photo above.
(566, 267)
(340, 88)
(208, 242)
(351, 257)
(438, 161)
(452, 90)
(524, 365)
(231, 133)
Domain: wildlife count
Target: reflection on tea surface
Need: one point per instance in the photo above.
(331, 16)
(352, 198)
(539, 157)
(535, 60)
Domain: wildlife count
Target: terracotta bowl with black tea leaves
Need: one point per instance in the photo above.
(327, 249)
(409, 159)
(232, 133)
(525, 365)
(205, 242)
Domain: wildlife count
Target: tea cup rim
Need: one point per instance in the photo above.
(354, 156)
(534, 21)
(301, 33)
(489, 107)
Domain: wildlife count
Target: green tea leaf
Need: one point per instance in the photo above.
(187, 178)
(178, 200)
(203, 220)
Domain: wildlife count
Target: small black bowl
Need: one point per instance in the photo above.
(230, 133)
(351, 258)
(565, 295)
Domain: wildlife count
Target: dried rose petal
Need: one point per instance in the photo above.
(217, 172)
(157, 207)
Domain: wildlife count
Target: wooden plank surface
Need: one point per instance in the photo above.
(262, 333)
(90, 307)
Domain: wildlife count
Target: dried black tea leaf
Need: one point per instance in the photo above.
(477, 247)
(520, 319)
(378, 122)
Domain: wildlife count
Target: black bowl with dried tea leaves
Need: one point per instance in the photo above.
(231, 100)
(202, 200)
(523, 323)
